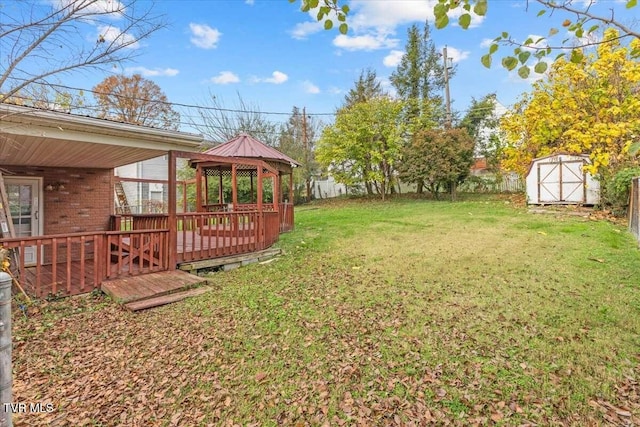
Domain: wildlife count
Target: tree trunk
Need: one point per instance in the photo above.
(420, 187)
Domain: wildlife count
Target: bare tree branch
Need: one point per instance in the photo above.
(55, 34)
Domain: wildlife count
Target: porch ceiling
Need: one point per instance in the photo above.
(33, 137)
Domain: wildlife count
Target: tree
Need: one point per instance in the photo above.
(135, 100)
(482, 124)
(220, 123)
(39, 40)
(366, 88)
(589, 107)
(363, 145)
(419, 78)
(297, 140)
(439, 158)
(51, 97)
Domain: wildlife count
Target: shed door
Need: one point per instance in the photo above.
(561, 182)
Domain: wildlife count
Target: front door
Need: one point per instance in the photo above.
(26, 211)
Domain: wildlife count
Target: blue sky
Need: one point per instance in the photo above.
(277, 57)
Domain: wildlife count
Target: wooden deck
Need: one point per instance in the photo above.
(67, 281)
(131, 289)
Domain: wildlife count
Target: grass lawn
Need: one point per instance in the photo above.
(406, 312)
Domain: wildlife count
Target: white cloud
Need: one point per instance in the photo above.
(111, 34)
(373, 24)
(304, 29)
(393, 58)
(250, 2)
(387, 15)
(310, 87)
(277, 77)
(456, 55)
(225, 78)
(365, 42)
(485, 43)
(112, 8)
(148, 72)
(204, 36)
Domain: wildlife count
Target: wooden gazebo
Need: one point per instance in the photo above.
(245, 174)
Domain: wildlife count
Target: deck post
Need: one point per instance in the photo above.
(173, 218)
(5, 348)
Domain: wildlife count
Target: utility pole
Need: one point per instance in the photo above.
(446, 87)
(307, 178)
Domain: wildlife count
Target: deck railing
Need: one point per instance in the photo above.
(71, 264)
(136, 252)
(75, 263)
(126, 222)
(206, 235)
(286, 217)
(271, 229)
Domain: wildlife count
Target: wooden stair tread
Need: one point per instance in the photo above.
(165, 299)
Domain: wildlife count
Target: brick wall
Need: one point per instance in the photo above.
(85, 204)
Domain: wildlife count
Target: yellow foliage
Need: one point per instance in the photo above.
(592, 107)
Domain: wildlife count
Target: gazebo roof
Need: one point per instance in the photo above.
(245, 146)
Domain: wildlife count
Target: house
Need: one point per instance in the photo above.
(58, 171)
(144, 196)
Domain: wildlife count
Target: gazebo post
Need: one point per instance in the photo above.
(260, 212)
(276, 191)
(198, 188)
(291, 188)
(206, 190)
(260, 188)
(234, 185)
(220, 190)
(253, 200)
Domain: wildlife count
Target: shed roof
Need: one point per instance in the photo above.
(246, 146)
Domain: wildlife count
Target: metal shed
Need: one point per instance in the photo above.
(561, 179)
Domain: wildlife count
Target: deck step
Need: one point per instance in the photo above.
(134, 288)
(165, 299)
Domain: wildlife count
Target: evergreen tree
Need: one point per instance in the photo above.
(419, 78)
(366, 88)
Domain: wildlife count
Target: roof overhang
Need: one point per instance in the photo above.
(35, 137)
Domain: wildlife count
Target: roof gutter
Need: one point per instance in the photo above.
(65, 121)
